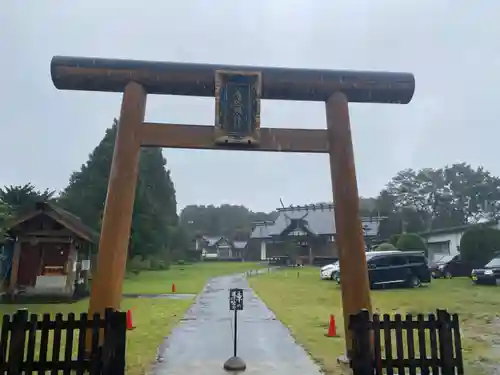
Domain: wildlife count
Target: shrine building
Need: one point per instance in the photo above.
(305, 234)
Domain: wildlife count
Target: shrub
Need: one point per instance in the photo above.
(411, 241)
(155, 263)
(479, 244)
(393, 240)
(135, 265)
(385, 247)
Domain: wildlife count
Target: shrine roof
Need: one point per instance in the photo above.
(319, 219)
(65, 218)
(239, 244)
(213, 240)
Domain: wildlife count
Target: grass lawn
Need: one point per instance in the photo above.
(305, 303)
(154, 318)
(187, 278)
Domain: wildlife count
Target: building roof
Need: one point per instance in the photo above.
(456, 229)
(319, 219)
(63, 217)
(261, 229)
(298, 227)
(239, 244)
(212, 240)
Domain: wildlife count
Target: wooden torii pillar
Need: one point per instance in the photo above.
(136, 79)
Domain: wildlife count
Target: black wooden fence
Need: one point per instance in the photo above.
(413, 345)
(29, 345)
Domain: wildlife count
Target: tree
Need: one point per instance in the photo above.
(385, 247)
(479, 244)
(393, 240)
(385, 206)
(409, 200)
(5, 214)
(22, 198)
(427, 199)
(411, 241)
(234, 222)
(180, 243)
(155, 203)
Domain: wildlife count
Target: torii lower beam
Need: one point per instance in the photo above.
(137, 78)
(201, 137)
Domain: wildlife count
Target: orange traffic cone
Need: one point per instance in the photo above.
(173, 287)
(332, 327)
(130, 325)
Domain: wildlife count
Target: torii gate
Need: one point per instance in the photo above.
(237, 127)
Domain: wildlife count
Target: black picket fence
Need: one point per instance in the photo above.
(29, 345)
(413, 345)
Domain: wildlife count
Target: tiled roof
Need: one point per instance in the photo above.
(319, 219)
(261, 229)
(239, 244)
(212, 240)
(457, 229)
(70, 221)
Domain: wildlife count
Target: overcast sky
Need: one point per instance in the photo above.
(452, 48)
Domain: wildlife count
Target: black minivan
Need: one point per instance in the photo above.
(397, 268)
(449, 266)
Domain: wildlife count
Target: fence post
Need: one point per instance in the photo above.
(108, 343)
(445, 342)
(115, 342)
(17, 341)
(361, 358)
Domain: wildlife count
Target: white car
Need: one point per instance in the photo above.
(327, 272)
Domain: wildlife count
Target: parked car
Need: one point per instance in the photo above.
(489, 274)
(328, 272)
(321, 261)
(279, 261)
(449, 266)
(396, 268)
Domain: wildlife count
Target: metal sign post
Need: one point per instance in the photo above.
(235, 363)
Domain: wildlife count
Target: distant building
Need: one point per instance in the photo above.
(309, 229)
(239, 248)
(220, 248)
(446, 241)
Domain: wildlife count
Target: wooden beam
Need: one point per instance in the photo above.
(177, 78)
(202, 137)
(48, 233)
(36, 239)
(117, 219)
(355, 286)
(16, 257)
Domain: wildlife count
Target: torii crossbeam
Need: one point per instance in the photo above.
(136, 79)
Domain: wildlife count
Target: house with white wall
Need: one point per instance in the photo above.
(219, 247)
(446, 241)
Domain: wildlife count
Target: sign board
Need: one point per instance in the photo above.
(85, 265)
(236, 299)
(370, 228)
(237, 107)
(298, 233)
(50, 282)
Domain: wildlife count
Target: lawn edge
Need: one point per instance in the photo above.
(316, 360)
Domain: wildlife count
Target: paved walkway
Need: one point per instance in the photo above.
(203, 341)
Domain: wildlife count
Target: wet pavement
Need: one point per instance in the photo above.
(203, 340)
